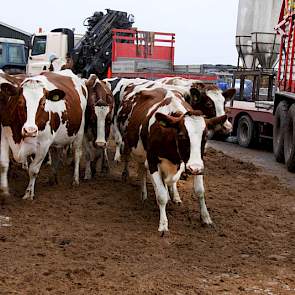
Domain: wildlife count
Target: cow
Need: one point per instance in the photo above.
(165, 136)
(44, 110)
(98, 120)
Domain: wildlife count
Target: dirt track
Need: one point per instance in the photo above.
(99, 239)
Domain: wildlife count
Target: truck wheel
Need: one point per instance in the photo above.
(246, 132)
(289, 140)
(278, 131)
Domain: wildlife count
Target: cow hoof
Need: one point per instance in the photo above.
(143, 196)
(4, 192)
(206, 221)
(163, 227)
(177, 201)
(28, 196)
(88, 175)
(117, 157)
(125, 176)
(75, 183)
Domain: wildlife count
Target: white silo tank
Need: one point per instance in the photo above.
(244, 30)
(265, 41)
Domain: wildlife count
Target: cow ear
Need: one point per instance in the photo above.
(213, 122)
(9, 89)
(167, 121)
(91, 81)
(55, 95)
(229, 93)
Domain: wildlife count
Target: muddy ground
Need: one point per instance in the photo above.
(100, 239)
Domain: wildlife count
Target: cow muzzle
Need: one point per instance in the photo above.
(100, 144)
(195, 170)
(30, 132)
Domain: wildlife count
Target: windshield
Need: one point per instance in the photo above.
(15, 54)
(39, 45)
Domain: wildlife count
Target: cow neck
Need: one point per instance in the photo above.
(72, 116)
(140, 116)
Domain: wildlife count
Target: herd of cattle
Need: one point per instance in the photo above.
(161, 124)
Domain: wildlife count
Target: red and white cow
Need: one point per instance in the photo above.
(45, 110)
(98, 120)
(165, 135)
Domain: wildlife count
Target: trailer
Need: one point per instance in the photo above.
(150, 55)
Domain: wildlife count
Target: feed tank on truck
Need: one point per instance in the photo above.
(258, 47)
(256, 41)
(243, 33)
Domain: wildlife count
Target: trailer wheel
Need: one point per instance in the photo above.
(289, 140)
(246, 132)
(278, 131)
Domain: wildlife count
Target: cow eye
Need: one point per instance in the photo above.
(55, 98)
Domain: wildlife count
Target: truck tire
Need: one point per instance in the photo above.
(246, 132)
(280, 120)
(289, 140)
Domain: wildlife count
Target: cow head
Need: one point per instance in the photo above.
(31, 101)
(100, 108)
(190, 136)
(211, 101)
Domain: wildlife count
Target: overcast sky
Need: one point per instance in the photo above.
(205, 29)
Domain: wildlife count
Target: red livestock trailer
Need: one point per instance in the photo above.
(149, 55)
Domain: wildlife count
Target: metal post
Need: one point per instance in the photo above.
(242, 82)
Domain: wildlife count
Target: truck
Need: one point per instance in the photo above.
(265, 68)
(12, 55)
(284, 102)
(111, 47)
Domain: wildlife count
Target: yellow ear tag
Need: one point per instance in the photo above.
(55, 97)
(163, 123)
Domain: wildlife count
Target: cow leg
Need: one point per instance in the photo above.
(4, 165)
(56, 161)
(142, 176)
(88, 152)
(119, 141)
(105, 166)
(162, 196)
(200, 191)
(125, 172)
(174, 194)
(87, 174)
(34, 169)
(77, 145)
